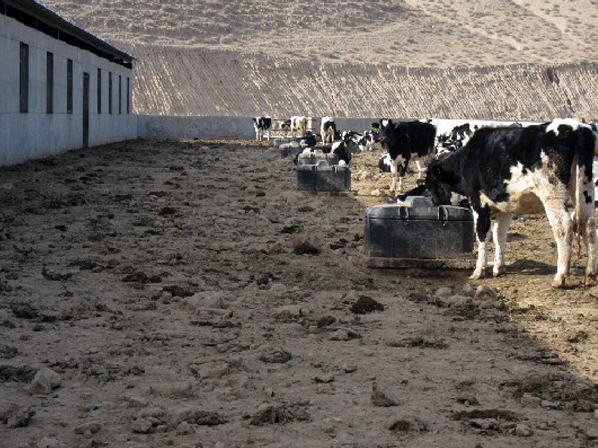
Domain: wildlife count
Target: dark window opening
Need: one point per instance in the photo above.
(99, 91)
(49, 83)
(24, 78)
(128, 96)
(109, 92)
(120, 95)
(69, 86)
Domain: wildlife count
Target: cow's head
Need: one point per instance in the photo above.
(440, 182)
(393, 135)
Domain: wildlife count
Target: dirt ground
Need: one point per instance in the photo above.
(185, 294)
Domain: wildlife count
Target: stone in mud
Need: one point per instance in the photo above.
(288, 313)
(177, 291)
(522, 430)
(404, 425)
(276, 356)
(194, 417)
(443, 293)
(91, 427)
(344, 335)
(270, 415)
(365, 305)
(484, 292)
(21, 374)
(384, 396)
(55, 275)
(460, 302)
(306, 245)
(8, 351)
(178, 390)
(143, 426)
(184, 428)
(141, 277)
(16, 416)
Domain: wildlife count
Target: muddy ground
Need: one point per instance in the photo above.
(186, 294)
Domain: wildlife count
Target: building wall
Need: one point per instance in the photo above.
(36, 133)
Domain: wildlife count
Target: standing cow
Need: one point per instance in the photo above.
(261, 125)
(402, 141)
(298, 126)
(327, 130)
(535, 169)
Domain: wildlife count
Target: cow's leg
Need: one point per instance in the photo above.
(587, 229)
(393, 170)
(419, 170)
(588, 222)
(482, 231)
(562, 228)
(500, 230)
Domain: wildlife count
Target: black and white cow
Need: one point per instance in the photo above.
(327, 130)
(346, 147)
(261, 125)
(535, 169)
(454, 139)
(401, 141)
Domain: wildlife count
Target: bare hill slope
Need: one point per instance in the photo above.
(354, 57)
(178, 81)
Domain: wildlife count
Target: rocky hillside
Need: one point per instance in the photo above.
(513, 60)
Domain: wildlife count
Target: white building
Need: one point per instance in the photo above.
(61, 87)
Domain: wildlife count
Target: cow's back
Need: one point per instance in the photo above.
(421, 137)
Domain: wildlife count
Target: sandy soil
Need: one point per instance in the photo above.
(157, 294)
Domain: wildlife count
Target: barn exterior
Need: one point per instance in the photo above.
(61, 87)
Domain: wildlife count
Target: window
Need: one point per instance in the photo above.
(109, 92)
(49, 83)
(128, 96)
(120, 94)
(99, 91)
(24, 78)
(69, 86)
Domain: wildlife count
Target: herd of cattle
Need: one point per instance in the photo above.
(500, 171)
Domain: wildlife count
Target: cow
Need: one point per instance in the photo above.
(309, 139)
(345, 147)
(403, 140)
(328, 130)
(525, 170)
(367, 141)
(451, 141)
(261, 124)
(298, 126)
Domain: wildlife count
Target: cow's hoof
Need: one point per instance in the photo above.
(558, 282)
(477, 275)
(591, 280)
(498, 272)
